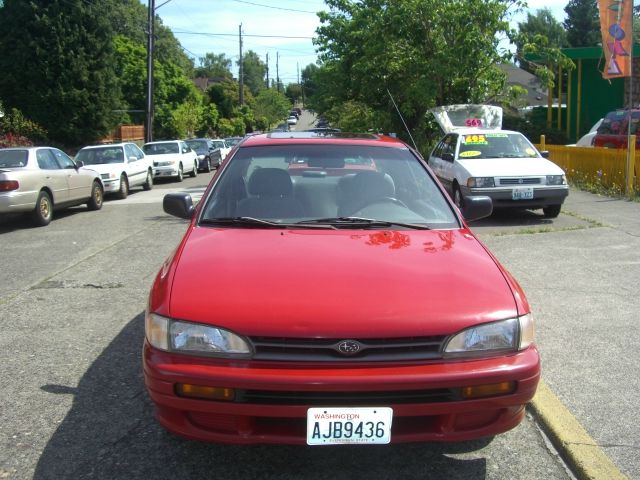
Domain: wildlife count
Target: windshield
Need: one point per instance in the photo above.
(198, 145)
(13, 158)
(100, 156)
(161, 148)
(342, 186)
(231, 141)
(495, 145)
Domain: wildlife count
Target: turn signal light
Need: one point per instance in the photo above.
(206, 393)
(8, 185)
(480, 391)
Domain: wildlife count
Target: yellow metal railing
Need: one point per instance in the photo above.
(596, 166)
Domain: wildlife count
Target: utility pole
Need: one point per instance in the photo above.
(278, 71)
(148, 127)
(267, 69)
(298, 69)
(241, 68)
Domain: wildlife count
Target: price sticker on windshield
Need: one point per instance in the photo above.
(474, 140)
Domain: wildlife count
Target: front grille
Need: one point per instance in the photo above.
(520, 181)
(328, 350)
(104, 176)
(328, 399)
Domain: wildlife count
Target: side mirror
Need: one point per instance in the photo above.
(477, 207)
(179, 205)
(133, 158)
(545, 154)
(448, 157)
(79, 164)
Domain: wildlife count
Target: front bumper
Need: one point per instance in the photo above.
(502, 197)
(285, 423)
(166, 171)
(111, 186)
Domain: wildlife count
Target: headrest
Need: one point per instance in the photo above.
(370, 184)
(270, 182)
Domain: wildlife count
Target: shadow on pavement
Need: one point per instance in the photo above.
(110, 433)
(513, 217)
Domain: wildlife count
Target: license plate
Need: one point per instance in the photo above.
(522, 194)
(338, 426)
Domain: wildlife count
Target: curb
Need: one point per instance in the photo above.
(581, 452)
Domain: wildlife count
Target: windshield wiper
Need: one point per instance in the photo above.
(255, 222)
(360, 221)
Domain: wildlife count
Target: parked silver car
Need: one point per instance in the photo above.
(39, 180)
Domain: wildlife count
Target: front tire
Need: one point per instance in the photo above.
(552, 211)
(194, 172)
(124, 187)
(148, 184)
(43, 213)
(207, 167)
(180, 173)
(97, 196)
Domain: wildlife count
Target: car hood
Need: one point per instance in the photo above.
(338, 283)
(510, 167)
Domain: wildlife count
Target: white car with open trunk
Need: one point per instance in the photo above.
(477, 158)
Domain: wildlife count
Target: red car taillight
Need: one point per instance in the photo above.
(8, 185)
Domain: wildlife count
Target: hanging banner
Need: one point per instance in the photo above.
(616, 28)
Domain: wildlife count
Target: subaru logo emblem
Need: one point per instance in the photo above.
(348, 347)
(520, 181)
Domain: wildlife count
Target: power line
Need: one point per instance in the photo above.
(185, 32)
(275, 8)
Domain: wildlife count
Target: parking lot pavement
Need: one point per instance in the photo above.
(72, 297)
(580, 273)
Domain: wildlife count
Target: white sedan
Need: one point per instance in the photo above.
(172, 158)
(486, 161)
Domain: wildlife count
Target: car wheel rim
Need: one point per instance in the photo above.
(45, 209)
(97, 196)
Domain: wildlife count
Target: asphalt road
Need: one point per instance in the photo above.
(72, 297)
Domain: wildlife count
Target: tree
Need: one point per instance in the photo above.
(538, 27)
(424, 53)
(254, 71)
(214, 66)
(271, 105)
(582, 23)
(294, 92)
(57, 59)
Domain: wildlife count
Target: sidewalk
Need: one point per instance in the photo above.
(583, 286)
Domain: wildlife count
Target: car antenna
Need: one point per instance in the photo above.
(402, 118)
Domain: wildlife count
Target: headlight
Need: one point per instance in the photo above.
(506, 335)
(200, 157)
(176, 336)
(556, 180)
(480, 182)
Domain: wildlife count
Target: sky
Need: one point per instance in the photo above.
(268, 27)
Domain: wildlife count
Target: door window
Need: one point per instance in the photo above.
(63, 159)
(46, 160)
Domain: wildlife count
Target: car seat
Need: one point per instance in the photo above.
(271, 191)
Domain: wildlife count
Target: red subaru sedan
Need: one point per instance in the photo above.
(352, 305)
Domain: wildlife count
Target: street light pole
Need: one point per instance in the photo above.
(148, 127)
